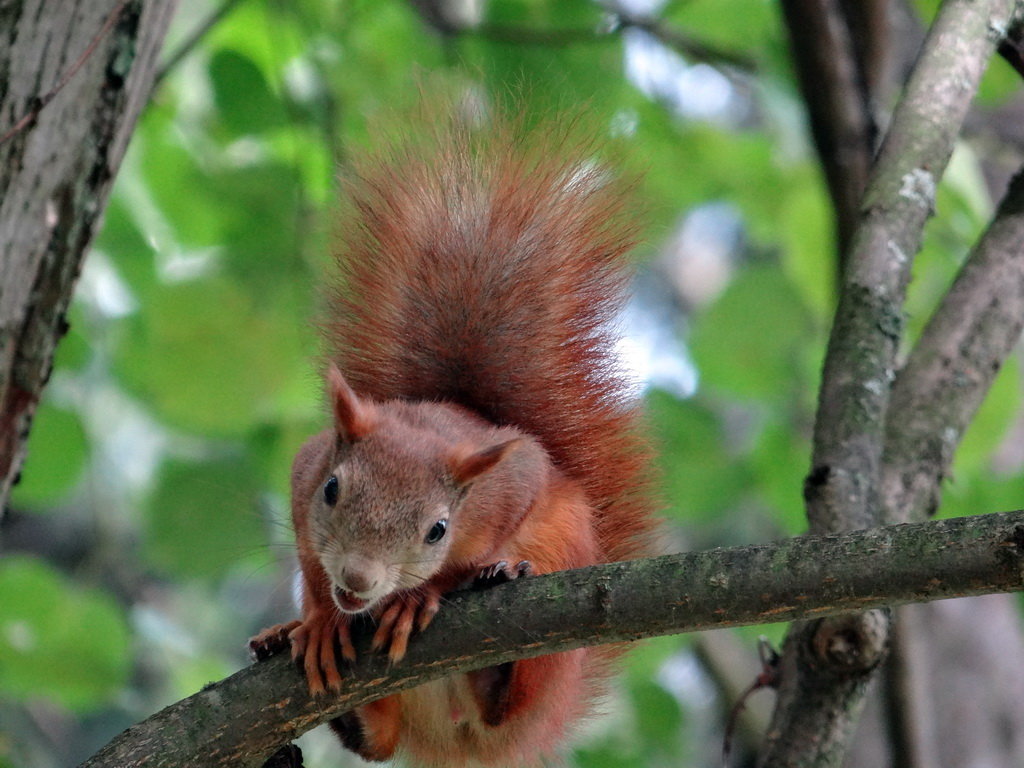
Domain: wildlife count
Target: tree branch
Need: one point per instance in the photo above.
(910, 714)
(953, 364)
(241, 720)
(821, 695)
(863, 344)
(690, 47)
(934, 398)
(869, 25)
(46, 98)
(834, 91)
(195, 37)
(435, 14)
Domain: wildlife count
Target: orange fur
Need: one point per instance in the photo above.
(479, 273)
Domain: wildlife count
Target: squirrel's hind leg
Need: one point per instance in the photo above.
(371, 731)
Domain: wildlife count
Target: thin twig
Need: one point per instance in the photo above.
(688, 46)
(679, 41)
(768, 677)
(195, 37)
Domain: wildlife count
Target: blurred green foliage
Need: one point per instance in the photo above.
(45, 653)
(188, 380)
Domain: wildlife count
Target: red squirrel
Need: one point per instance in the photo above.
(481, 426)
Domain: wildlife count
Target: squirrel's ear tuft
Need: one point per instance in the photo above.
(353, 418)
(466, 466)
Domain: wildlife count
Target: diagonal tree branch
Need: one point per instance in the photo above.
(242, 720)
(194, 38)
(954, 363)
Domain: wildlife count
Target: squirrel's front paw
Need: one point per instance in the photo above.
(314, 640)
(501, 572)
(271, 641)
(407, 612)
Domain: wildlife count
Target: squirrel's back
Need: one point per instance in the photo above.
(485, 266)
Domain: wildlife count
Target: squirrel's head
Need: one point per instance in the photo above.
(383, 519)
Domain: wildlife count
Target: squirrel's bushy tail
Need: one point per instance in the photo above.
(485, 266)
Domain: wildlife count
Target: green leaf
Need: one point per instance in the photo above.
(58, 640)
(128, 249)
(272, 447)
(967, 495)
(661, 717)
(991, 423)
(699, 478)
(807, 235)
(178, 182)
(203, 518)
(259, 227)
(646, 659)
(74, 350)
(751, 342)
(780, 462)
(927, 9)
(1000, 82)
(738, 25)
(210, 360)
(57, 450)
(609, 754)
(245, 102)
(545, 14)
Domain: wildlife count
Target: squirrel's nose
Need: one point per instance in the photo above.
(357, 581)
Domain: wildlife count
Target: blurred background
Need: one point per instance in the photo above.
(149, 536)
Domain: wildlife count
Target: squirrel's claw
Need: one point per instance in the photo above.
(399, 619)
(396, 625)
(428, 609)
(271, 641)
(501, 572)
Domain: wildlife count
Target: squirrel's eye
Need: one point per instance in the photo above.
(436, 533)
(331, 491)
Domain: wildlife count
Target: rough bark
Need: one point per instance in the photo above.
(953, 364)
(861, 357)
(819, 703)
(240, 721)
(56, 172)
(934, 398)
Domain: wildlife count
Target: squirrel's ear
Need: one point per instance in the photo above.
(467, 466)
(353, 419)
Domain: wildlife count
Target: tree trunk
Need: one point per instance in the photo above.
(74, 75)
